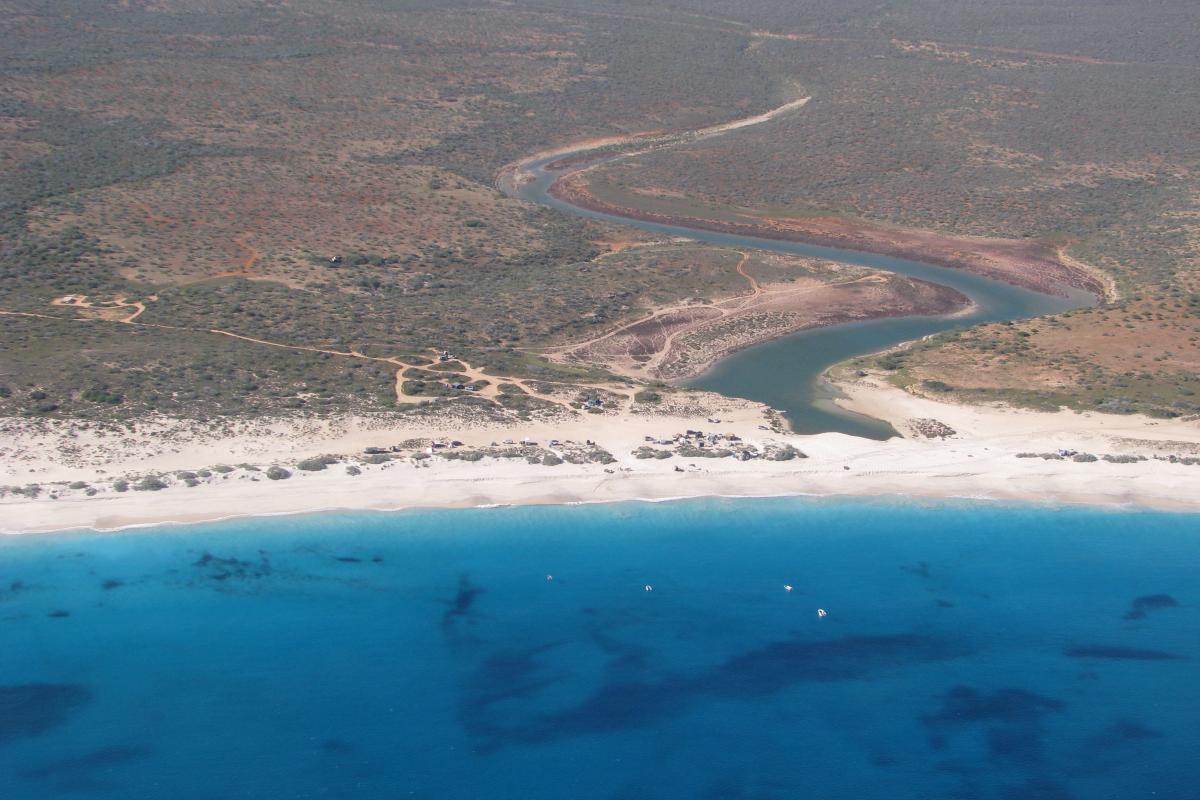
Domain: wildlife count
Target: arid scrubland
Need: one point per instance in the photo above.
(1076, 133)
(317, 177)
(228, 207)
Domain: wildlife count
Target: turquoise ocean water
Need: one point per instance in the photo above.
(970, 650)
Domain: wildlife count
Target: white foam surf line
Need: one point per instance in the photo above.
(1057, 501)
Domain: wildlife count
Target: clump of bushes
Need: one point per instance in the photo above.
(692, 451)
(462, 455)
(101, 394)
(316, 463)
(276, 473)
(149, 484)
(783, 452)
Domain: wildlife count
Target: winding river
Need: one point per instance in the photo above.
(786, 373)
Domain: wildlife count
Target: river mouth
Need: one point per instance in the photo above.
(786, 373)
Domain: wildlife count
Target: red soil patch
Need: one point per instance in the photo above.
(1030, 264)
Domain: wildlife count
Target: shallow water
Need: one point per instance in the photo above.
(970, 650)
(785, 373)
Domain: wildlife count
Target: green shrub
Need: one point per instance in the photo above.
(101, 394)
(316, 463)
(280, 474)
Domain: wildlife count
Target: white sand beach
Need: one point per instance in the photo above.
(979, 460)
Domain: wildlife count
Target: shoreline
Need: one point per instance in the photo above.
(1101, 501)
(1098, 502)
(979, 459)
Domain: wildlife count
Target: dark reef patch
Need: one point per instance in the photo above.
(111, 583)
(464, 600)
(727, 789)
(781, 664)
(1014, 743)
(1011, 720)
(920, 569)
(1037, 789)
(33, 708)
(76, 770)
(58, 613)
(626, 704)
(962, 704)
(13, 589)
(337, 747)
(509, 675)
(1118, 653)
(1123, 731)
(217, 568)
(1141, 606)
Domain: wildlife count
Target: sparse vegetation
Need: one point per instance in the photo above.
(316, 463)
(238, 186)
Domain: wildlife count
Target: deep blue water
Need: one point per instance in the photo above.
(970, 651)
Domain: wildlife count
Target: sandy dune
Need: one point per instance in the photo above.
(979, 460)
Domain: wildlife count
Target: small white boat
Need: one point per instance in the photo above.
(822, 612)
(648, 588)
(787, 587)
